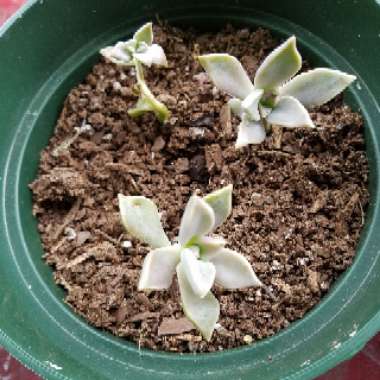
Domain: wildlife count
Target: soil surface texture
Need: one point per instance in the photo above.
(299, 198)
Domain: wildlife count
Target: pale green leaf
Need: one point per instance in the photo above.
(198, 219)
(251, 104)
(144, 34)
(202, 312)
(152, 55)
(250, 132)
(200, 275)
(289, 112)
(209, 244)
(221, 202)
(148, 103)
(318, 86)
(141, 219)
(233, 270)
(279, 66)
(159, 267)
(228, 74)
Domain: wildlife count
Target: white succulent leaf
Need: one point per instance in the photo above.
(118, 54)
(141, 219)
(144, 34)
(140, 47)
(202, 312)
(199, 274)
(251, 104)
(221, 202)
(279, 66)
(198, 219)
(159, 267)
(316, 87)
(148, 103)
(289, 112)
(250, 132)
(210, 244)
(264, 111)
(130, 45)
(228, 74)
(233, 270)
(151, 55)
(236, 108)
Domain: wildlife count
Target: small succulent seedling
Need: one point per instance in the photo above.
(136, 52)
(274, 98)
(198, 259)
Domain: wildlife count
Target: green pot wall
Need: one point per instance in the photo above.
(46, 49)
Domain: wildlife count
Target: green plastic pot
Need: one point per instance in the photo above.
(45, 50)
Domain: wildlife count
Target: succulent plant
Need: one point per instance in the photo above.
(136, 52)
(276, 96)
(198, 259)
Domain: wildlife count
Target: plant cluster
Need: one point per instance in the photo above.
(136, 52)
(198, 259)
(277, 96)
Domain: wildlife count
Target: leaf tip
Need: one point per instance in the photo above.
(204, 60)
(121, 198)
(207, 59)
(201, 59)
(293, 44)
(350, 78)
(144, 33)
